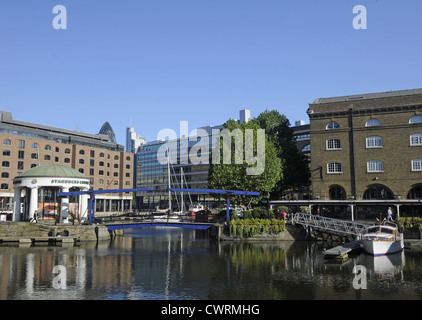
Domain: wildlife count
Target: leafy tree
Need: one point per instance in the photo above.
(296, 173)
(234, 176)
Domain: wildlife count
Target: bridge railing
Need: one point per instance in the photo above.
(329, 224)
(155, 218)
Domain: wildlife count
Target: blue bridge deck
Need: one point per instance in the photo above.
(118, 225)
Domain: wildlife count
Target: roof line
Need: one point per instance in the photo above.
(365, 96)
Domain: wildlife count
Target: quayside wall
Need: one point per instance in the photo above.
(292, 233)
(29, 230)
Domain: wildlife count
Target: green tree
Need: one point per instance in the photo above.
(296, 173)
(234, 176)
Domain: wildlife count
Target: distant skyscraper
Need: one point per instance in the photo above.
(108, 130)
(245, 115)
(133, 140)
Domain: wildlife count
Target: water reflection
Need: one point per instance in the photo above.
(388, 266)
(184, 264)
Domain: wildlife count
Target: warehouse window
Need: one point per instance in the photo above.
(333, 144)
(333, 125)
(417, 165)
(375, 166)
(373, 123)
(374, 142)
(334, 167)
(416, 139)
(415, 119)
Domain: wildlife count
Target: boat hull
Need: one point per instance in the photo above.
(380, 248)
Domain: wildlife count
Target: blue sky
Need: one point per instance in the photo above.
(154, 63)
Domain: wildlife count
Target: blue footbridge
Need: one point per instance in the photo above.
(163, 220)
(148, 221)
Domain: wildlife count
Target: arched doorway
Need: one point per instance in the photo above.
(337, 192)
(415, 193)
(378, 192)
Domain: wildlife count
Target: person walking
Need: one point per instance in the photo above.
(34, 217)
(390, 214)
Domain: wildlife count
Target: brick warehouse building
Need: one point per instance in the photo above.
(368, 147)
(98, 157)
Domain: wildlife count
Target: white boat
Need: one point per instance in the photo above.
(196, 207)
(165, 218)
(382, 239)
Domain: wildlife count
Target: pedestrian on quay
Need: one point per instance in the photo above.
(389, 214)
(34, 217)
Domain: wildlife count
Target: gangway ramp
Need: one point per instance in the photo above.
(329, 225)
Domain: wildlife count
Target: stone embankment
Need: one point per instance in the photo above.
(41, 229)
(292, 233)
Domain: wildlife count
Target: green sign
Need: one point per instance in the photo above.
(66, 181)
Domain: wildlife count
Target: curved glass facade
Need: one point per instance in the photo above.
(108, 130)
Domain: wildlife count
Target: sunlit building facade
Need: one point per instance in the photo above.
(25, 145)
(367, 147)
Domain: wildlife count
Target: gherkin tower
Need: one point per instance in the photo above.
(108, 130)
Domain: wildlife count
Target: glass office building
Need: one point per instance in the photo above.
(180, 163)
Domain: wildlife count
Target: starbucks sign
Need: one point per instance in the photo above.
(69, 181)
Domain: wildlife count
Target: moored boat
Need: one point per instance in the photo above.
(382, 239)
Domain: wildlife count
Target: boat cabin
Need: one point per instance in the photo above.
(386, 231)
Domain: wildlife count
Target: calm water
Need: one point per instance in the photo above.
(178, 264)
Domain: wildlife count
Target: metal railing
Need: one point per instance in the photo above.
(329, 224)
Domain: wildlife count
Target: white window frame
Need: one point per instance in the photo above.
(416, 139)
(333, 144)
(373, 142)
(375, 166)
(416, 119)
(332, 125)
(334, 168)
(373, 123)
(417, 165)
